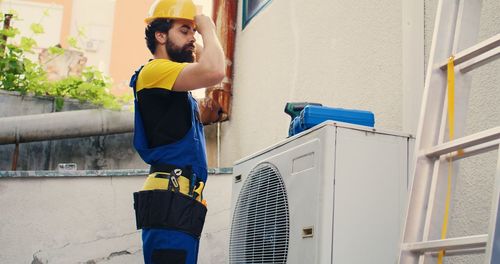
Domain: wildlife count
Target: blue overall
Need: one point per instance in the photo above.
(188, 151)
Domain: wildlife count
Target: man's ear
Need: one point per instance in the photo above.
(161, 37)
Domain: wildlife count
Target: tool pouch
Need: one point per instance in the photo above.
(170, 210)
(176, 179)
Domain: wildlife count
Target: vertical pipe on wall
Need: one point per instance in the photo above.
(224, 14)
(218, 145)
(216, 106)
(6, 25)
(15, 157)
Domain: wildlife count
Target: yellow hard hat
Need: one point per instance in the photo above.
(177, 9)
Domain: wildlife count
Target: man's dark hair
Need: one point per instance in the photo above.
(158, 25)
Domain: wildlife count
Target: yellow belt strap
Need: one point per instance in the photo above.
(154, 183)
(451, 130)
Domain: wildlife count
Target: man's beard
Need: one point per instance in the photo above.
(179, 54)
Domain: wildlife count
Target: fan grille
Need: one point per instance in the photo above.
(260, 228)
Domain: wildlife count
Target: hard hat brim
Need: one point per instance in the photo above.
(149, 20)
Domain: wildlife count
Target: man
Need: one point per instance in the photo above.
(168, 135)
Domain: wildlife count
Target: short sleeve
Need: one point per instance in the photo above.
(159, 73)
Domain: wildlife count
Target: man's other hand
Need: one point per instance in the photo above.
(203, 24)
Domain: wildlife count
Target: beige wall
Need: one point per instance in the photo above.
(95, 18)
(129, 49)
(338, 53)
(61, 220)
(67, 7)
(118, 29)
(352, 54)
(67, 220)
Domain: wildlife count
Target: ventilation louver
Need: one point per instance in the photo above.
(260, 228)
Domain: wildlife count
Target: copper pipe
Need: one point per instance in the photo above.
(216, 106)
(6, 25)
(15, 157)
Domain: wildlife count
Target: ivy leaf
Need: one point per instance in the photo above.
(59, 103)
(81, 32)
(27, 44)
(16, 66)
(55, 51)
(37, 28)
(19, 73)
(72, 42)
(9, 32)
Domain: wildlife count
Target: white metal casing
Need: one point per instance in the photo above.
(349, 183)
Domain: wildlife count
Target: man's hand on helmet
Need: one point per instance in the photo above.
(203, 24)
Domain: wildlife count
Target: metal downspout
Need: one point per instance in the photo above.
(218, 145)
(224, 13)
(216, 106)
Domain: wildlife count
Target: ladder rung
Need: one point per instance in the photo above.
(489, 135)
(476, 51)
(457, 243)
(480, 60)
(476, 150)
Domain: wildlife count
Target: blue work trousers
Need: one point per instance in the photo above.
(164, 246)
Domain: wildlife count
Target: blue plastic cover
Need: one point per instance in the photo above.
(313, 115)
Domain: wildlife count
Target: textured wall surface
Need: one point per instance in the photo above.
(91, 220)
(338, 53)
(348, 54)
(67, 220)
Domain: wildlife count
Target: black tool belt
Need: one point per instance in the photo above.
(170, 210)
(168, 171)
(186, 171)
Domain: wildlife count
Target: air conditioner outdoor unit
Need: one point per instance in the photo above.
(335, 193)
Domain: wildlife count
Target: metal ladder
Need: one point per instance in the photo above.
(455, 34)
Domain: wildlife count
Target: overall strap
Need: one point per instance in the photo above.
(133, 80)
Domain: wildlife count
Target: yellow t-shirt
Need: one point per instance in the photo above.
(159, 73)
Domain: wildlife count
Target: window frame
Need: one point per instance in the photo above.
(248, 15)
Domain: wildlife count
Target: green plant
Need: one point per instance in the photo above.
(91, 86)
(19, 73)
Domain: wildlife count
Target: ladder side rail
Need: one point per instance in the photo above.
(493, 244)
(429, 120)
(436, 202)
(466, 33)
